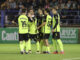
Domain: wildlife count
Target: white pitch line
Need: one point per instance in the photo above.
(71, 58)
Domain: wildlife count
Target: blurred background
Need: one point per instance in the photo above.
(69, 11)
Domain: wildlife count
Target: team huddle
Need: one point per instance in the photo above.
(38, 28)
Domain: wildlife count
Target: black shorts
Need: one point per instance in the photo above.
(40, 36)
(33, 36)
(56, 35)
(46, 36)
(23, 37)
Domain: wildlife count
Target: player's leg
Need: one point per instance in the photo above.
(36, 39)
(26, 39)
(24, 43)
(55, 45)
(38, 47)
(57, 42)
(60, 43)
(40, 37)
(21, 43)
(29, 45)
(47, 43)
(41, 45)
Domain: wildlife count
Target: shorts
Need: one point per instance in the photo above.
(23, 37)
(40, 36)
(33, 36)
(56, 35)
(46, 36)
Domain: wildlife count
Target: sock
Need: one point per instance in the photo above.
(48, 48)
(24, 43)
(27, 47)
(44, 48)
(60, 44)
(55, 46)
(41, 45)
(38, 46)
(29, 44)
(21, 46)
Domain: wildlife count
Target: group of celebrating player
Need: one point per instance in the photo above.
(38, 27)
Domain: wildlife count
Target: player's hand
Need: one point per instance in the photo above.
(52, 30)
(37, 27)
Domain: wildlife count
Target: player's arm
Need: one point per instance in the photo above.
(41, 25)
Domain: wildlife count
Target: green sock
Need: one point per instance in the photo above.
(60, 44)
(55, 45)
(24, 43)
(47, 49)
(44, 48)
(21, 46)
(27, 46)
(38, 46)
(41, 45)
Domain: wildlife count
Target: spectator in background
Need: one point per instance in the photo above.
(27, 3)
(40, 4)
(12, 4)
(47, 5)
(74, 4)
(20, 3)
(78, 1)
(54, 3)
(79, 7)
(61, 4)
(64, 12)
(5, 5)
(77, 16)
(69, 4)
(34, 4)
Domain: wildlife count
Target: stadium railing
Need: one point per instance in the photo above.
(68, 17)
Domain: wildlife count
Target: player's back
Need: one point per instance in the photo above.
(23, 24)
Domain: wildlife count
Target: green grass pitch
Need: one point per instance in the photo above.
(12, 52)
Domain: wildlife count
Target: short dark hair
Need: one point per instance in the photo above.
(48, 11)
(30, 9)
(23, 10)
(54, 8)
